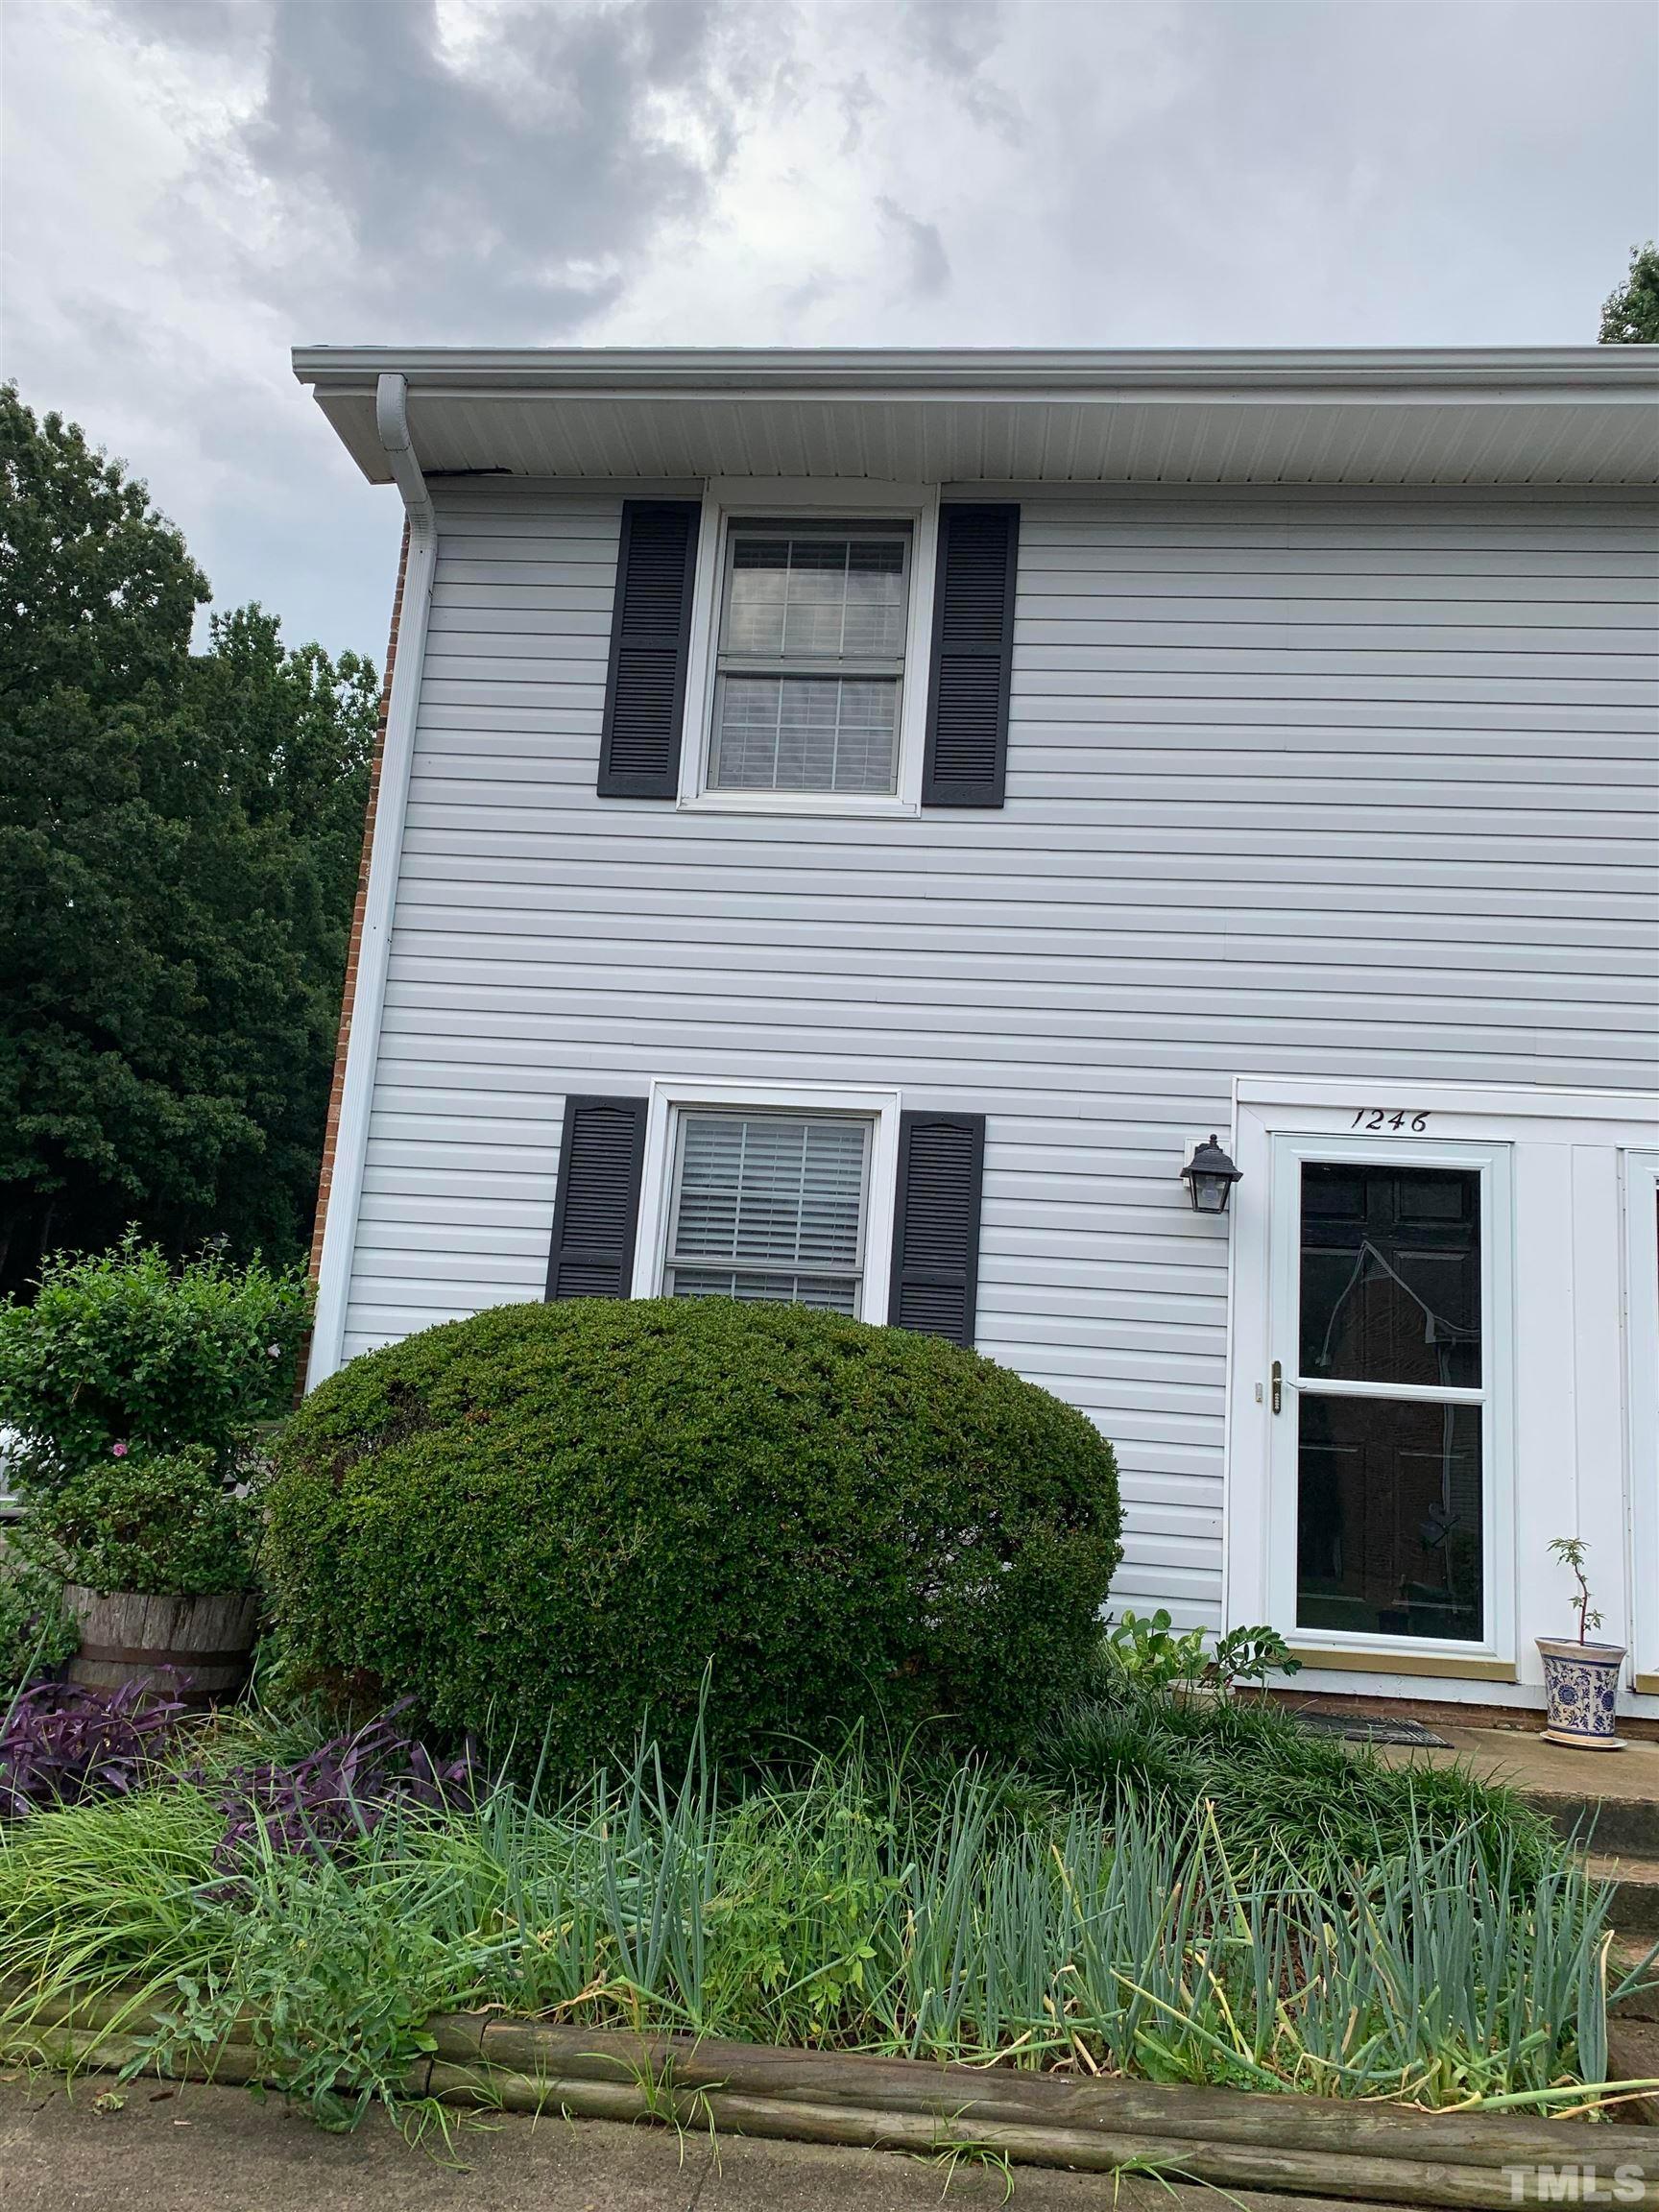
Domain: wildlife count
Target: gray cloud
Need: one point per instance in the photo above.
(959, 44)
(209, 26)
(189, 187)
(929, 270)
(510, 180)
(857, 100)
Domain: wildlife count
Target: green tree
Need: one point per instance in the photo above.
(1630, 316)
(179, 842)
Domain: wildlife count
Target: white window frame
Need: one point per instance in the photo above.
(1495, 1396)
(672, 1096)
(743, 499)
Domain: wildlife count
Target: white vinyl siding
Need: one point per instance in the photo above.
(1316, 786)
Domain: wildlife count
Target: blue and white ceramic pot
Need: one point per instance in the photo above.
(1581, 1682)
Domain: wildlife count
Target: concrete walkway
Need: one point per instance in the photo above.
(1521, 1758)
(209, 2150)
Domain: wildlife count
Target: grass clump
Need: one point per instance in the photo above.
(1323, 1805)
(954, 1912)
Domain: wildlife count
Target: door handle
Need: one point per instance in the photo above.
(1278, 1386)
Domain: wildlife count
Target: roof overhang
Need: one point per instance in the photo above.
(1518, 416)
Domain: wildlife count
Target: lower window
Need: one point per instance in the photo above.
(768, 1206)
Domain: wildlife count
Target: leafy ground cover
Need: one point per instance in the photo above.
(60, 1742)
(1275, 1787)
(1121, 1924)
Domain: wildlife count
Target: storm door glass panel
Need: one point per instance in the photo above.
(769, 1207)
(1390, 1481)
(1390, 1274)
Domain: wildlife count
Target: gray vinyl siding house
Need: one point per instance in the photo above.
(1323, 818)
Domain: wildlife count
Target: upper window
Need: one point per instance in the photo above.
(811, 661)
(769, 1206)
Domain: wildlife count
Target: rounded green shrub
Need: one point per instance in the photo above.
(554, 1518)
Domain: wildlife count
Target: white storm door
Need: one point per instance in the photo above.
(1387, 1396)
(1641, 1406)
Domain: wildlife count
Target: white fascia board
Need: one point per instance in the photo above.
(882, 373)
(477, 409)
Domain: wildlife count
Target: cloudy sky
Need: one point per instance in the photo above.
(190, 187)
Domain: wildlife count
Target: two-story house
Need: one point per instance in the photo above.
(850, 825)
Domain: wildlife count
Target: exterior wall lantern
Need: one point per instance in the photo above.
(1210, 1176)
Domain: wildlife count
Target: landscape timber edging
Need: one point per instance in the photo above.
(1343, 2149)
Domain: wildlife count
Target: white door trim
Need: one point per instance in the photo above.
(1572, 1454)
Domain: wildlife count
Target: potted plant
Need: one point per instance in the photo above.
(1581, 1678)
(156, 1553)
(136, 1390)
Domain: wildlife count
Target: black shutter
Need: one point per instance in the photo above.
(936, 1224)
(650, 639)
(596, 1213)
(973, 657)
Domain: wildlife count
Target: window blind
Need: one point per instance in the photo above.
(769, 1206)
(812, 655)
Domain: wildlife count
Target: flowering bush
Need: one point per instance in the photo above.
(164, 1522)
(340, 1792)
(62, 1743)
(119, 1351)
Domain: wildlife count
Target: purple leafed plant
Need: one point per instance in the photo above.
(62, 1743)
(341, 1791)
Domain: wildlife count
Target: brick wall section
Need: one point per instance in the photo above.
(354, 945)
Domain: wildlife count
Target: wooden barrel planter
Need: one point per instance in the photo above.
(197, 1650)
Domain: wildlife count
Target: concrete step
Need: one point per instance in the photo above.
(1620, 1825)
(1633, 2055)
(1605, 1800)
(1635, 1907)
(1611, 1797)
(1629, 1956)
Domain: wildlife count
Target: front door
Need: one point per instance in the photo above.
(1641, 1407)
(1382, 1440)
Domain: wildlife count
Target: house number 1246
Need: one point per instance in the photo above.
(1389, 1117)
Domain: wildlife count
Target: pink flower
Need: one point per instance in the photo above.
(118, 1451)
(273, 1351)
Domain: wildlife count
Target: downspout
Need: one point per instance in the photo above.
(380, 895)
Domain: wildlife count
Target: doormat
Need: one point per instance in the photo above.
(1361, 1728)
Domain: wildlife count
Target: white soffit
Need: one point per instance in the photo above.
(1537, 416)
